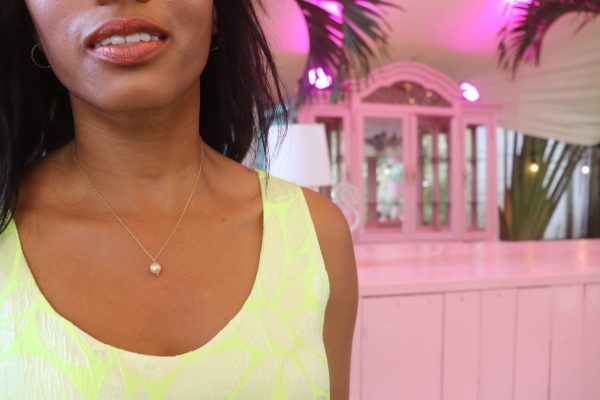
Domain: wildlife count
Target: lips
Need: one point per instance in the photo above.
(126, 41)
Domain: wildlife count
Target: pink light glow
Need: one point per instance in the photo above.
(470, 92)
(286, 30)
(333, 7)
(511, 5)
(319, 78)
(515, 2)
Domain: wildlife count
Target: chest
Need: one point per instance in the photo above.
(272, 348)
(99, 279)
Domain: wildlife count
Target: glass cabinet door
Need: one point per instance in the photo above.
(475, 176)
(384, 173)
(433, 168)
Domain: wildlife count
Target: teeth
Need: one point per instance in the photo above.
(135, 38)
(117, 40)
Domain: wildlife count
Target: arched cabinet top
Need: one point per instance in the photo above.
(402, 83)
(407, 83)
(408, 93)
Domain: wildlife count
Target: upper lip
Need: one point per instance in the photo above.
(123, 26)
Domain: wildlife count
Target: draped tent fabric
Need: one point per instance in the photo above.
(559, 99)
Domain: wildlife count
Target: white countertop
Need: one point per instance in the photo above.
(404, 268)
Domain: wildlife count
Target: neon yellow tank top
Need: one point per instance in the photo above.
(271, 349)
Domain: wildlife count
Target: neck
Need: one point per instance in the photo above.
(146, 159)
(141, 144)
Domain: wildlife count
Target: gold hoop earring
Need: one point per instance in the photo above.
(32, 55)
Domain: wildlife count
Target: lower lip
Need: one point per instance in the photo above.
(131, 54)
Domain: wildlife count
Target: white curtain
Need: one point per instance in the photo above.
(560, 98)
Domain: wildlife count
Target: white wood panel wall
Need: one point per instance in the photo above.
(566, 355)
(461, 345)
(497, 344)
(591, 332)
(532, 358)
(540, 343)
(402, 347)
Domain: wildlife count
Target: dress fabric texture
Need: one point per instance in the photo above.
(271, 349)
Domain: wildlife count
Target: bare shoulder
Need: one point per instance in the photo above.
(335, 240)
(333, 233)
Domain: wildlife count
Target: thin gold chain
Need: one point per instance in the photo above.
(154, 259)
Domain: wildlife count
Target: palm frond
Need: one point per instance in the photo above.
(530, 199)
(344, 46)
(522, 38)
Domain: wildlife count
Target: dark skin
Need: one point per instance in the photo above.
(137, 139)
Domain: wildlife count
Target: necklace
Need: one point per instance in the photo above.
(155, 268)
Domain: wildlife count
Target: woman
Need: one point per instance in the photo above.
(138, 257)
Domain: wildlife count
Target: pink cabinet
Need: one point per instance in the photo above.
(422, 158)
(517, 343)
(478, 321)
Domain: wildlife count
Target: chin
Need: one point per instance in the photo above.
(134, 102)
(136, 97)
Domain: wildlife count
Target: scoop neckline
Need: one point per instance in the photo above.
(204, 347)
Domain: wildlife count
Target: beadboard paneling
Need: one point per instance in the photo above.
(461, 346)
(402, 347)
(532, 358)
(592, 342)
(566, 363)
(497, 344)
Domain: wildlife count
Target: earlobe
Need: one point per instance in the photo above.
(35, 37)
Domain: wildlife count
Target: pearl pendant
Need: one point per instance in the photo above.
(155, 268)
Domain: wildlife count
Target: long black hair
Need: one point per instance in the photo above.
(240, 94)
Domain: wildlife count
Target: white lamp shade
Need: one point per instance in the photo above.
(303, 156)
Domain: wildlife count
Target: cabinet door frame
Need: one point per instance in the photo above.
(454, 186)
(491, 231)
(309, 115)
(365, 234)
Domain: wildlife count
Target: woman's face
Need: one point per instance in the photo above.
(83, 41)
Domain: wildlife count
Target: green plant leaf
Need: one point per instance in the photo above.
(531, 199)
